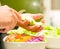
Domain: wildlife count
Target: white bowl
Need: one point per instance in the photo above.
(24, 45)
(53, 42)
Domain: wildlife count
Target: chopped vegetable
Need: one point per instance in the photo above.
(51, 31)
(23, 38)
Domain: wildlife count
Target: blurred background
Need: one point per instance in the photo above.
(31, 6)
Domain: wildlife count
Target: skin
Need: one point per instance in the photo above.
(9, 18)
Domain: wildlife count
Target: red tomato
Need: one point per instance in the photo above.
(37, 16)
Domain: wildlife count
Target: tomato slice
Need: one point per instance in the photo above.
(37, 16)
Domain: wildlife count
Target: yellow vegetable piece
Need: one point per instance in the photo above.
(26, 38)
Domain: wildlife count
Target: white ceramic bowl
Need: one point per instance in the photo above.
(53, 42)
(24, 45)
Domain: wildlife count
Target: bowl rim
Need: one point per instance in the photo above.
(25, 42)
(51, 37)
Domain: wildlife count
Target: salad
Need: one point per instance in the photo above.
(23, 38)
(51, 31)
(21, 30)
(32, 21)
(23, 35)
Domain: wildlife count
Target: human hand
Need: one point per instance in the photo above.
(7, 19)
(25, 23)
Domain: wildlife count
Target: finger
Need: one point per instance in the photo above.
(17, 17)
(26, 22)
(43, 21)
(39, 29)
(20, 23)
(33, 28)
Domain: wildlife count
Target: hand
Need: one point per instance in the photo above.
(25, 24)
(7, 19)
(35, 28)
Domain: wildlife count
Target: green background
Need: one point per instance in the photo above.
(25, 4)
